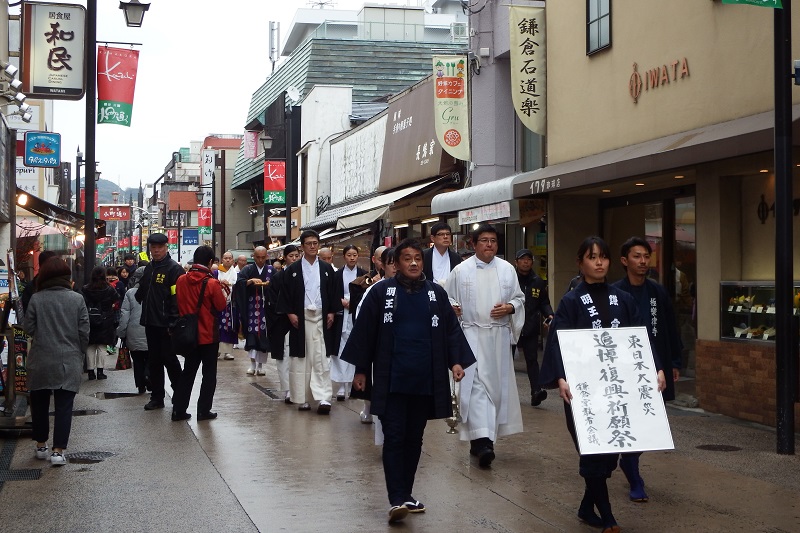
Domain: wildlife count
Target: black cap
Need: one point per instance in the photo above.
(157, 238)
(522, 253)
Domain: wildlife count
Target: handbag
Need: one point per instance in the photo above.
(185, 330)
(124, 358)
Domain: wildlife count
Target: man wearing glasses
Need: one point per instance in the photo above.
(309, 301)
(439, 259)
(485, 293)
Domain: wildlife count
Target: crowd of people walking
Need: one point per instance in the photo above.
(405, 337)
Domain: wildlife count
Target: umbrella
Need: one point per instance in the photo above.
(29, 228)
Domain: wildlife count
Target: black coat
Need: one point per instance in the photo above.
(371, 343)
(291, 300)
(104, 299)
(537, 302)
(427, 261)
(156, 293)
(338, 322)
(241, 295)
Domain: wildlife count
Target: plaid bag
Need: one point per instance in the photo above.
(124, 359)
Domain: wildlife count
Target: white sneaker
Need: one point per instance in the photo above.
(228, 357)
(58, 459)
(251, 371)
(260, 371)
(42, 453)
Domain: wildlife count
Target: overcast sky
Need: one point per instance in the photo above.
(199, 64)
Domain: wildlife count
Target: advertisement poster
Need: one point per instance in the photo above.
(116, 83)
(21, 341)
(274, 182)
(451, 105)
(205, 213)
(528, 66)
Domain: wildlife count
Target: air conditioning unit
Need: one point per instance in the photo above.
(459, 33)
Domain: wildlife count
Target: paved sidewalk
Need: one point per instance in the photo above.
(264, 466)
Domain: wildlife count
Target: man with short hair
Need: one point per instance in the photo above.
(537, 304)
(439, 259)
(407, 337)
(250, 295)
(485, 292)
(326, 254)
(309, 300)
(159, 312)
(278, 333)
(129, 264)
(657, 315)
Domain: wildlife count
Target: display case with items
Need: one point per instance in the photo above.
(748, 309)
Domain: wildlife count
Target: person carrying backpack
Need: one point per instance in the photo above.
(101, 299)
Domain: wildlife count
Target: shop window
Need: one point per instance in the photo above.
(532, 150)
(598, 25)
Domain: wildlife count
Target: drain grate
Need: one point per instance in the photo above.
(269, 392)
(85, 458)
(115, 395)
(82, 412)
(29, 474)
(719, 448)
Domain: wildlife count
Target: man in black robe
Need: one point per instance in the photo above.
(250, 295)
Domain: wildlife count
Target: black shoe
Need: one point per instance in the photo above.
(589, 517)
(206, 416)
(177, 417)
(141, 390)
(101, 374)
(152, 405)
(340, 397)
(485, 457)
(91, 375)
(538, 397)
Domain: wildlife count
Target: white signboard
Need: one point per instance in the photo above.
(615, 400)
(485, 212)
(28, 178)
(356, 162)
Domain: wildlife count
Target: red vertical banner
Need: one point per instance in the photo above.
(172, 236)
(83, 201)
(116, 82)
(135, 241)
(204, 217)
(274, 182)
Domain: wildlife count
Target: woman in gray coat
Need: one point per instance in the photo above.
(58, 322)
(133, 332)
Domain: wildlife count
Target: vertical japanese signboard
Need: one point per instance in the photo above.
(450, 105)
(83, 201)
(274, 182)
(116, 82)
(250, 144)
(615, 399)
(53, 50)
(172, 241)
(205, 212)
(528, 66)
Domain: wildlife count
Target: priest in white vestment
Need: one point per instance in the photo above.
(485, 293)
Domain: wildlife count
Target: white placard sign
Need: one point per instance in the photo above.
(615, 400)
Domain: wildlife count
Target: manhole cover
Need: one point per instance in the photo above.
(82, 412)
(84, 458)
(718, 448)
(115, 395)
(269, 392)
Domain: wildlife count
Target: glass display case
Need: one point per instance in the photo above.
(748, 309)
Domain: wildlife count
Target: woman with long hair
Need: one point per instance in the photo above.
(101, 299)
(58, 322)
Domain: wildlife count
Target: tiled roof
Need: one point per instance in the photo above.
(187, 200)
(373, 68)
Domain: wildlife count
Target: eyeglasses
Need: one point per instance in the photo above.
(311, 243)
(485, 240)
(443, 234)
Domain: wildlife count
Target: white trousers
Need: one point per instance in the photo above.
(258, 357)
(225, 347)
(310, 376)
(95, 356)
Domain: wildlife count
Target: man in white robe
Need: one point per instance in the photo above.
(485, 293)
(229, 324)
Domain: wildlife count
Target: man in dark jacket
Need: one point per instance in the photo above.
(537, 304)
(308, 297)
(159, 312)
(406, 337)
(439, 259)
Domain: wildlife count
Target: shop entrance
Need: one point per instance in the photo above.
(666, 219)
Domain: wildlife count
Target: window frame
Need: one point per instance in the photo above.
(598, 21)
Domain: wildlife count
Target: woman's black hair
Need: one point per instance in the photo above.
(589, 243)
(388, 257)
(350, 247)
(97, 280)
(54, 267)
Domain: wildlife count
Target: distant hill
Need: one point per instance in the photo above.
(105, 189)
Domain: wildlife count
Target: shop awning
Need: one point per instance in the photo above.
(55, 214)
(329, 216)
(494, 192)
(743, 136)
(334, 237)
(377, 207)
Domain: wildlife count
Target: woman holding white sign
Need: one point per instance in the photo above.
(593, 304)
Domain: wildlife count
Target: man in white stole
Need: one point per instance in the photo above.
(485, 293)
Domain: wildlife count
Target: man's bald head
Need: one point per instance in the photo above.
(326, 254)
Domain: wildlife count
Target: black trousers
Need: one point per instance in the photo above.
(599, 465)
(403, 426)
(40, 415)
(161, 355)
(139, 358)
(207, 355)
(529, 344)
